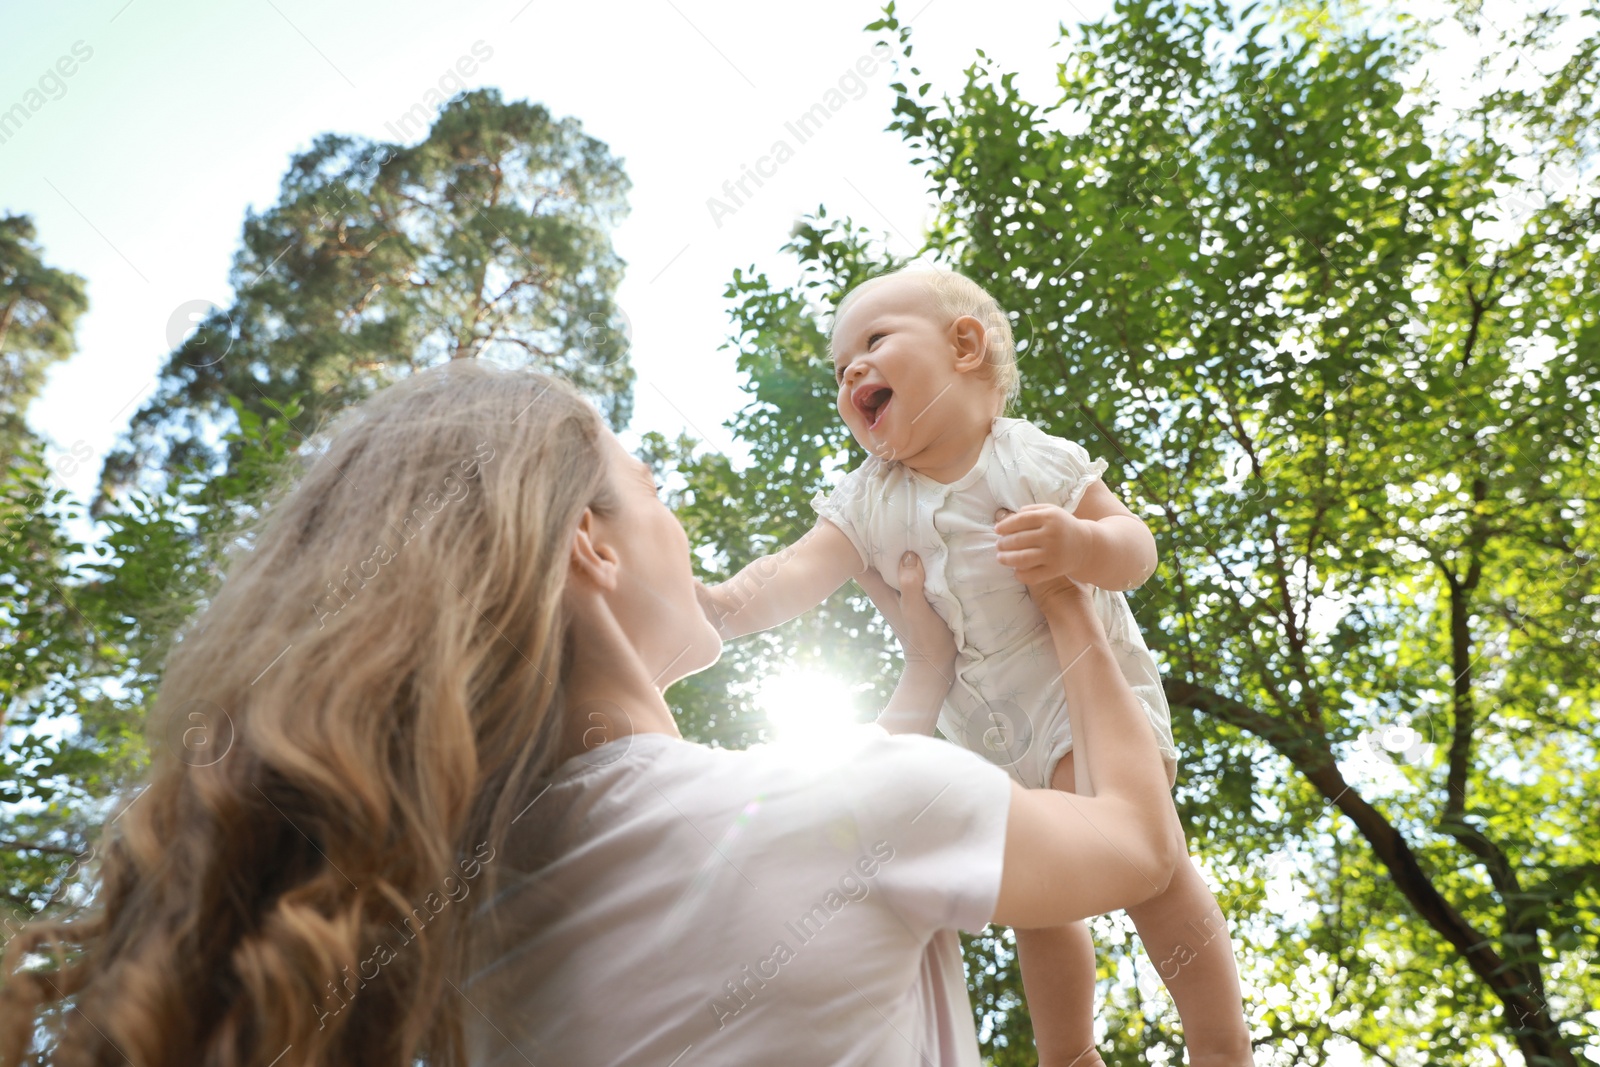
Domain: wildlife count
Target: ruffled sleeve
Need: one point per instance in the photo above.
(845, 507)
(1047, 470)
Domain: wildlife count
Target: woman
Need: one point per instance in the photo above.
(441, 810)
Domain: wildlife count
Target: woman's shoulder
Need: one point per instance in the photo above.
(896, 777)
(859, 762)
(845, 751)
(862, 767)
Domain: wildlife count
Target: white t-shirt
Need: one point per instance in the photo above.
(1007, 703)
(672, 905)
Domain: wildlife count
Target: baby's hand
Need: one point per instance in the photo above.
(711, 603)
(1041, 542)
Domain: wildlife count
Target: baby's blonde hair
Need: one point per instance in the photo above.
(955, 295)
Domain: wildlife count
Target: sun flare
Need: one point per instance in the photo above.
(807, 707)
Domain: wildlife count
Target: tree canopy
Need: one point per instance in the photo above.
(39, 310)
(1340, 348)
(488, 237)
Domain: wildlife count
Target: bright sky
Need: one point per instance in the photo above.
(138, 168)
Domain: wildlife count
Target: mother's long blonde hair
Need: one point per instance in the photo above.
(340, 736)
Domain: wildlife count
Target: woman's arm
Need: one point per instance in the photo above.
(1102, 543)
(1069, 856)
(774, 589)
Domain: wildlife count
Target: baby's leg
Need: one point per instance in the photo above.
(1058, 972)
(1057, 964)
(1186, 936)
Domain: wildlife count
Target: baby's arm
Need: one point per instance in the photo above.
(776, 588)
(1101, 544)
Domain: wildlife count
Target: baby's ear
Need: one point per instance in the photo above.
(971, 342)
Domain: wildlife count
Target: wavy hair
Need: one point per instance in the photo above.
(373, 680)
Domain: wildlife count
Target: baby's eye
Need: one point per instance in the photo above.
(874, 339)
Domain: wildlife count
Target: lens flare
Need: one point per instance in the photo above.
(807, 708)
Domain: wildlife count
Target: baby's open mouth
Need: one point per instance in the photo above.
(871, 401)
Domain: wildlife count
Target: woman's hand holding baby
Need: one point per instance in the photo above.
(924, 637)
(1043, 541)
(926, 642)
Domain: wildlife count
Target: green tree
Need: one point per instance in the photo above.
(490, 237)
(86, 628)
(42, 630)
(39, 309)
(1341, 351)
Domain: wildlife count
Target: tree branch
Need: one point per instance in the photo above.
(1535, 1032)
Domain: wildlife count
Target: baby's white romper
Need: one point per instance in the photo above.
(1007, 704)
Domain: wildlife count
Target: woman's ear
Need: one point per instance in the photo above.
(971, 342)
(593, 559)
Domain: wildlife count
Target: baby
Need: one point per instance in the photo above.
(925, 365)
